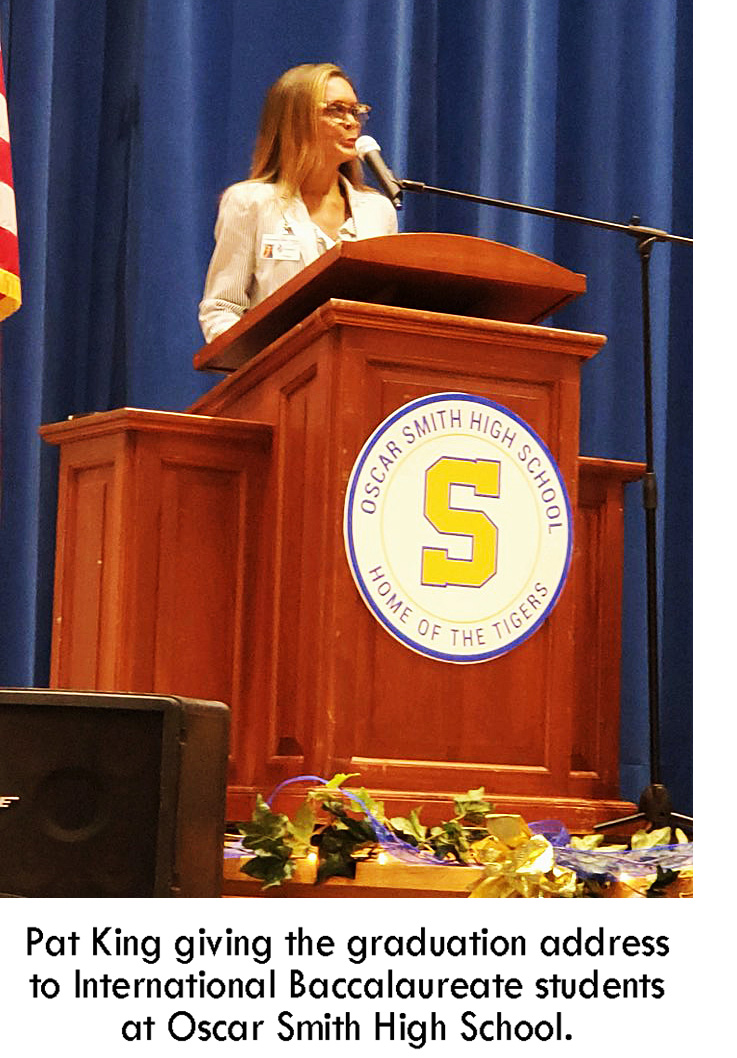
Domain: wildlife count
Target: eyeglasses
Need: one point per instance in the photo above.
(341, 111)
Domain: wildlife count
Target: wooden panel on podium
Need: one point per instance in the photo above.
(252, 548)
(157, 547)
(596, 580)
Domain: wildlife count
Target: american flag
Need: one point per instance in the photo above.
(9, 270)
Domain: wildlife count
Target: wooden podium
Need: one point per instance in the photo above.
(202, 554)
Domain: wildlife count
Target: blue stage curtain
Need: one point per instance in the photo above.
(129, 118)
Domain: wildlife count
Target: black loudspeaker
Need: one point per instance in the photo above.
(111, 795)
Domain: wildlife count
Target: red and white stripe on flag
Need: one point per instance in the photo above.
(9, 269)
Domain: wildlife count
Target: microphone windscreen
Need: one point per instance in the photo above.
(364, 144)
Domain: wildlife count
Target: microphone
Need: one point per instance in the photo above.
(370, 152)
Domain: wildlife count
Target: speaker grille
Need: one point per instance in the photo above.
(87, 820)
(99, 782)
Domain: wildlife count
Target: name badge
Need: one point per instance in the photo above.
(280, 248)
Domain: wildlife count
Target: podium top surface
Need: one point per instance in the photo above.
(459, 274)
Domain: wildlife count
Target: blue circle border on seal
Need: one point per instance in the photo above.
(365, 452)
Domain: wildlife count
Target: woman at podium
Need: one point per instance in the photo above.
(304, 194)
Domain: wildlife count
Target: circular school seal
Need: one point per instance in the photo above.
(457, 527)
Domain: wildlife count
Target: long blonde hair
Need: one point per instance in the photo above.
(285, 146)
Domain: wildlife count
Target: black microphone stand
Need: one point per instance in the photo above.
(655, 805)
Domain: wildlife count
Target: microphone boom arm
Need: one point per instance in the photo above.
(634, 228)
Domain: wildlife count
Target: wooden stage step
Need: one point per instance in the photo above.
(393, 879)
